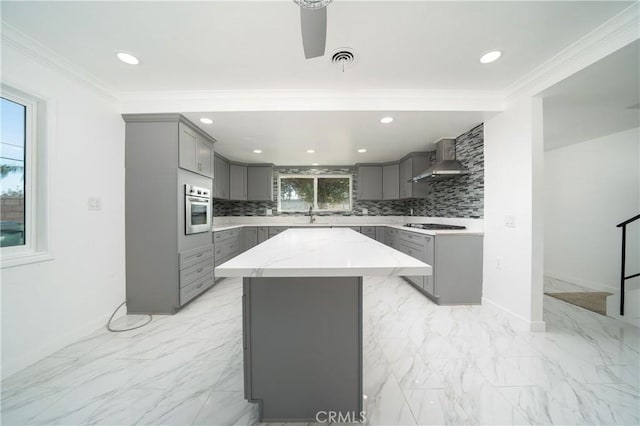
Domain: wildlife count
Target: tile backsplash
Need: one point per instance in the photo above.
(460, 197)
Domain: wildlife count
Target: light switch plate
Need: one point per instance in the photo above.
(94, 203)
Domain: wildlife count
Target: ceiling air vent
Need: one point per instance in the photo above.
(343, 58)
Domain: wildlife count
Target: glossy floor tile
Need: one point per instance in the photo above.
(423, 364)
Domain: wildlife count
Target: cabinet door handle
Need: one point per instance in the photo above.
(199, 270)
(200, 255)
(200, 285)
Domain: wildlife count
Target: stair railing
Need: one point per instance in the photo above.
(623, 225)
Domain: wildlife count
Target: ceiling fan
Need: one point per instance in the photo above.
(313, 21)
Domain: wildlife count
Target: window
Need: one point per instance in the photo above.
(23, 218)
(297, 193)
(13, 153)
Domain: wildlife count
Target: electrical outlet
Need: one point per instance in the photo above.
(94, 203)
(269, 212)
(498, 262)
(365, 212)
(510, 221)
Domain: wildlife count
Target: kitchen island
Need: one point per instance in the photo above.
(302, 319)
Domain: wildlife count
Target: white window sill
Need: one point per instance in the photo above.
(24, 259)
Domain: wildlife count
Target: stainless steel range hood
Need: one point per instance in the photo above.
(446, 165)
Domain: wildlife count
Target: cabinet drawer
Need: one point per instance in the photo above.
(369, 231)
(195, 272)
(227, 249)
(195, 288)
(220, 236)
(413, 237)
(191, 257)
(413, 251)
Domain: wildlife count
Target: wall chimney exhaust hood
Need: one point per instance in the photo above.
(446, 165)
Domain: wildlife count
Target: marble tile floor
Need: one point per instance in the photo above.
(424, 364)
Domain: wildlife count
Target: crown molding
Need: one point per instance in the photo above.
(617, 32)
(310, 100)
(22, 43)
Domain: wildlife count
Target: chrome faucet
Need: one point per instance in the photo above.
(311, 218)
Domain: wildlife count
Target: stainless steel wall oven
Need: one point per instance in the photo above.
(197, 205)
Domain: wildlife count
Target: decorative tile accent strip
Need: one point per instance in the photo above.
(258, 208)
(459, 196)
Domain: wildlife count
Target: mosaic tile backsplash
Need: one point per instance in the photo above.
(460, 197)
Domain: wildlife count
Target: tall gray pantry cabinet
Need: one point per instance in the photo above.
(165, 268)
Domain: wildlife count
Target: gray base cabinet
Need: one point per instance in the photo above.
(298, 360)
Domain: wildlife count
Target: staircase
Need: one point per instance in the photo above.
(626, 304)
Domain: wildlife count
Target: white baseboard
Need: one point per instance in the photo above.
(579, 281)
(12, 366)
(518, 322)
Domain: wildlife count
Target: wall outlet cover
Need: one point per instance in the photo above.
(365, 212)
(94, 203)
(510, 221)
(269, 212)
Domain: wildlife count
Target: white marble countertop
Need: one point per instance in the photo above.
(335, 252)
(224, 227)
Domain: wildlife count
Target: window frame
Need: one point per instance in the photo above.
(315, 191)
(36, 184)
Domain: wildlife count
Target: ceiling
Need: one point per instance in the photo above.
(599, 100)
(256, 46)
(285, 136)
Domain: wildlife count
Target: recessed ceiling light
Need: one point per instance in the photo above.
(206, 120)
(257, 151)
(361, 150)
(311, 151)
(490, 56)
(315, 164)
(128, 58)
(386, 120)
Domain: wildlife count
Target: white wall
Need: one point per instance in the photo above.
(512, 153)
(589, 188)
(47, 305)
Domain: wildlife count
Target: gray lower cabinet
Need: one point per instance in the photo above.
(369, 182)
(263, 234)
(249, 237)
(369, 231)
(391, 237)
(410, 166)
(260, 182)
(381, 234)
(456, 260)
(275, 230)
(237, 182)
(196, 272)
(220, 177)
(391, 181)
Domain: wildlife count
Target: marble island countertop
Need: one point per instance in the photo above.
(224, 227)
(335, 252)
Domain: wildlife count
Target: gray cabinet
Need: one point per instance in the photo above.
(250, 237)
(263, 234)
(381, 234)
(195, 152)
(456, 262)
(369, 231)
(369, 182)
(390, 181)
(237, 182)
(260, 183)
(410, 166)
(221, 178)
(165, 268)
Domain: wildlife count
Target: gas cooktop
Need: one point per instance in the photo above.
(434, 226)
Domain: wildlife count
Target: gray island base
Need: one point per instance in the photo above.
(303, 347)
(302, 320)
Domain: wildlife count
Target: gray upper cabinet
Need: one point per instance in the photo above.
(221, 178)
(195, 152)
(369, 183)
(410, 166)
(260, 183)
(391, 181)
(237, 182)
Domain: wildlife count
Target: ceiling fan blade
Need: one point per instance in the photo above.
(314, 31)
